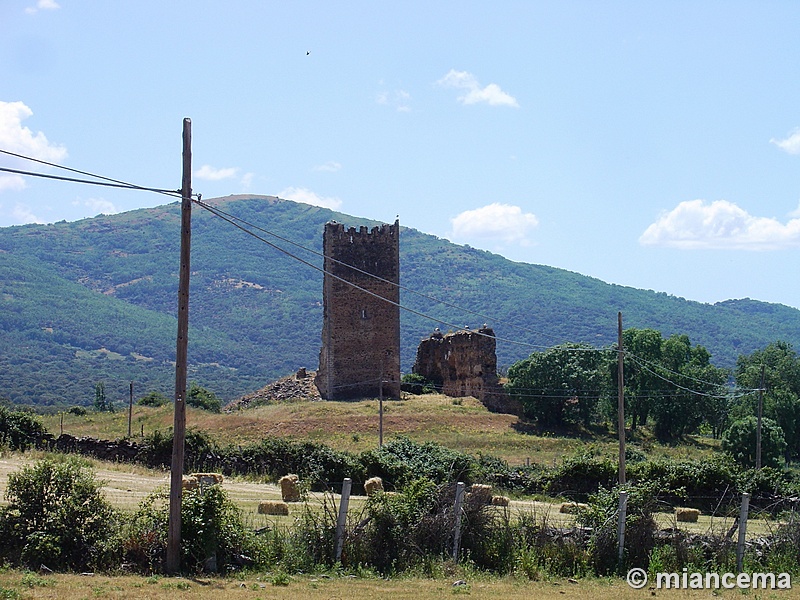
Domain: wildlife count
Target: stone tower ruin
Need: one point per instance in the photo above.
(360, 331)
(463, 363)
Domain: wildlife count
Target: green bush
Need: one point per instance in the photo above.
(402, 461)
(414, 383)
(57, 516)
(578, 476)
(200, 397)
(153, 399)
(213, 535)
(19, 430)
(640, 526)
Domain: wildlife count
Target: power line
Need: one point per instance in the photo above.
(234, 220)
(119, 183)
(376, 277)
(129, 186)
(225, 218)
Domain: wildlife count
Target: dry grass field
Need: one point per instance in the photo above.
(270, 586)
(462, 424)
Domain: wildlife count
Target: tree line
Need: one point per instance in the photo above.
(670, 385)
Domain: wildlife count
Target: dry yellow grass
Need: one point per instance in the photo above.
(77, 587)
(462, 424)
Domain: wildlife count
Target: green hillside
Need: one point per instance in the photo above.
(95, 300)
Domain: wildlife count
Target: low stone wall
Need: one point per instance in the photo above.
(112, 450)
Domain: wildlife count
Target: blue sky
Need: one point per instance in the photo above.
(648, 144)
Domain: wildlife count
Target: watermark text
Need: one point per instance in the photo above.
(686, 580)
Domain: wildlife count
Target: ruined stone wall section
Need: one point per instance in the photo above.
(360, 332)
(463, 363)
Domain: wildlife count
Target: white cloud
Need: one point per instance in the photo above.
(791, 144)
(209, 173)
(400, 100)
(98, 206)
(23, 215)
(43, 5)
(502, 222)
(491, 94)
(331, 167)
(247, 180)
(16, 138)
(12, 182)
(694, 224)
(308, 197)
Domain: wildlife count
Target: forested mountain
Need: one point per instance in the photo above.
(95, 300)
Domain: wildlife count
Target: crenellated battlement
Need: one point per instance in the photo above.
(361, 322)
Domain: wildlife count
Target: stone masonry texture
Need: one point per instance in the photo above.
(360, 331)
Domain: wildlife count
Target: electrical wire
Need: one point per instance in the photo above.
(120, 184)
(212, 210)
(129, 186)
(233, 220)
(376, 277)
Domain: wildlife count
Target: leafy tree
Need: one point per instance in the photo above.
(101, 403)
(694, 383)
(781, 395)
(642, 385)
(200, 397)
(560, 385)
(740, 442)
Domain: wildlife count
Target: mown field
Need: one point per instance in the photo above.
(462, 424)
(16, 584)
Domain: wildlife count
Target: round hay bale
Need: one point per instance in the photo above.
(686, 515)
(208, 478)
(273, 507)
(372, 485)
(290, 488)
(571, 508)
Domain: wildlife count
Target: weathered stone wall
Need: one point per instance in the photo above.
(463, 363)
(360, 332)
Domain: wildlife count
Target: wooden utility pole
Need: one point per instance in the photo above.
(760, 413)
(380, 408)
(620, 400)
(130, 410)
(173, 561)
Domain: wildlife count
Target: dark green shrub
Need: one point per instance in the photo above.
(402, 460)
(19, 430)
(414, 383)
(389, 542)
(200, 397)
(78, 411)
(710, 485)
(57, 516)
(154, 399)
(640, 527)
(199, 450)
(578, 476)
(213, 535)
